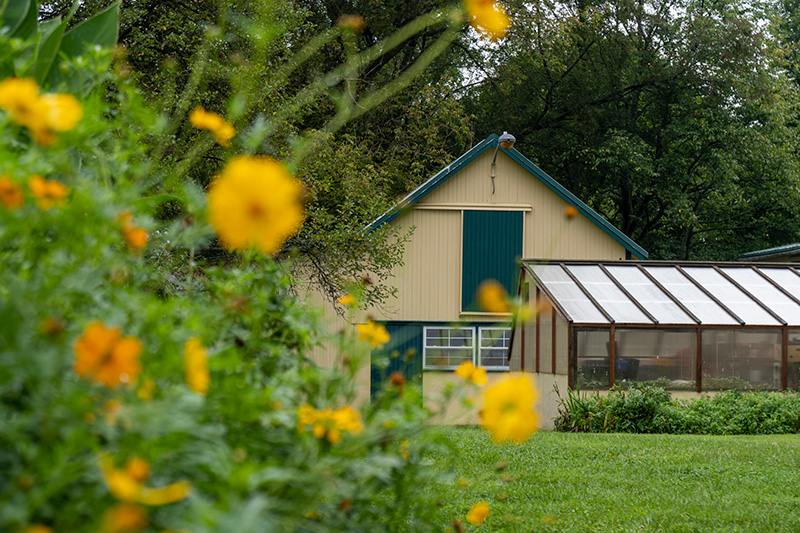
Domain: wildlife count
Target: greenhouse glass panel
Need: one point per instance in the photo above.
(783, 277)
(592, 349)
(570, 296)
(741, 359)
(661, 357)
(608, 295)
(689, 295)
(793, 381)
(649, 295)
(731, 296)
(767, 293)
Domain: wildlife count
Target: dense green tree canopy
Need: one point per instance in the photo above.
(669, 117)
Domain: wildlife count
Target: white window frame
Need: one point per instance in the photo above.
(474, 351)
(480, 347)
(425, 347)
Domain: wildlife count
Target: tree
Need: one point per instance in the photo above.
(669, 117)
(363, 161)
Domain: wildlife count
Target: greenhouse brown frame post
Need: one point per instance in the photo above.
(553, 333)
(537, 329)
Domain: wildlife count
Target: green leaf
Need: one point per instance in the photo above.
(150, 203)
(27, 26)
(13, 14)
(50, 35)
(101, 30)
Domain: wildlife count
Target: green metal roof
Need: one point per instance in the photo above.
(490, 143)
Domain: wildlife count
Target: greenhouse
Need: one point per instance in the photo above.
(692, 326)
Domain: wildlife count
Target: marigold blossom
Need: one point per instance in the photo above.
(472, 373)
(570, 212)
(492, 297)
(221, 129)
(255, 203)
(127, 487)
(508, 409)
(195, 361)
(48, 193)
(103, 355)
(10, 194)
(478, 513)
(486, 17)
(373, 333)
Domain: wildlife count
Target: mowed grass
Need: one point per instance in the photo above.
(617, 482)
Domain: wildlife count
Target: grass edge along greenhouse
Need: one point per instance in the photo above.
(689, 327)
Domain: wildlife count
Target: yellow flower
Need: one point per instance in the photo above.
(470, 372)
(329, 423)
(486, 17)
(255, 203)
(478, 514)
(135, 237)
(146, 389)
(492, 297)
(347, 299)
(10, 194)
(221, 129)
(63, 111)
(48, 193)
(195, 362)
(105, 357)
(508, 409)
(124, 517)
(404, 450)
(20, 97)
(126, 486)
(373, 333)
(42, 115)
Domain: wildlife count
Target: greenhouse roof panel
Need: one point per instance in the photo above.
(667, 293)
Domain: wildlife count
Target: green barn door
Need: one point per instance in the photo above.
(402, 354)
(492, 242)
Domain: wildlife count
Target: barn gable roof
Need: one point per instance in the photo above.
(489, 144)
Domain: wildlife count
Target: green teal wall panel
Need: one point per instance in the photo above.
(492, 242)
(403, 353)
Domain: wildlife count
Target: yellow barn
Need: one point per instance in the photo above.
(474, 220)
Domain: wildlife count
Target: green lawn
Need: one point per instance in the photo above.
(617, 482)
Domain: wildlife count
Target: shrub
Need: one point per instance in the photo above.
(645, 409)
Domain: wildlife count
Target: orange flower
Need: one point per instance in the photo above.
(101, 354)
(195, 361)
(48, 193)
(492, 297)
(255, 203)
(135, 237)
(487, 18)
(124, 517)
(478, 514)
(470, 372)
(570, 212)
(10, 194)
(221, 129)
(127, 484)
(373, 333)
